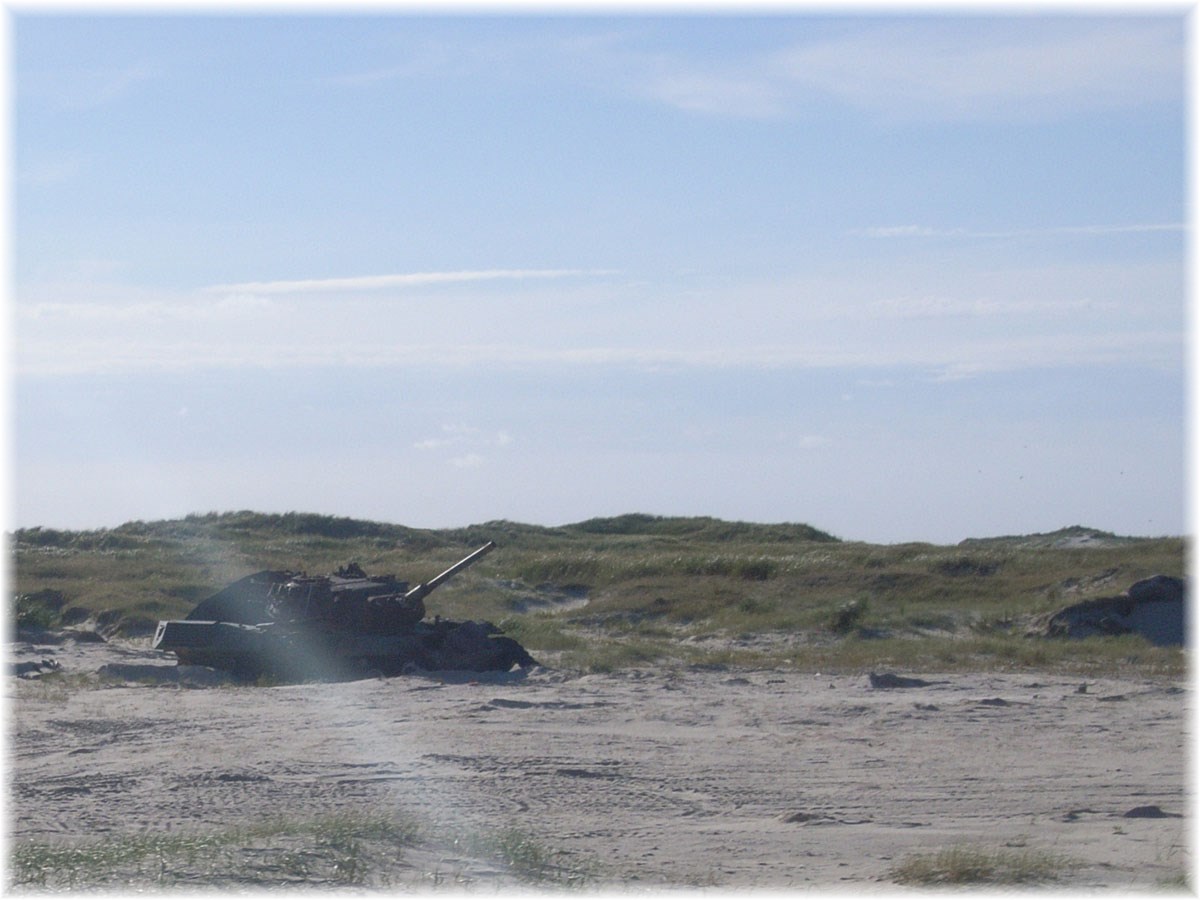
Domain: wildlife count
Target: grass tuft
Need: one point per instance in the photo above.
(528, 858)
(963, 865)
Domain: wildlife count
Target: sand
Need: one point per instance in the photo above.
(690, 778)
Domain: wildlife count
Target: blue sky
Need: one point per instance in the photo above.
(901, 277)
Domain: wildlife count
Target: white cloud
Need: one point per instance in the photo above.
(431, 444)
(467, 443)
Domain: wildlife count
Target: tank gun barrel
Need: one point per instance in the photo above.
(423, 589)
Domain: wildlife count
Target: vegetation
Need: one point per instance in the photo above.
(329, 850)
(339, 850)
(530, 860)
(973, 866)
(636, 589)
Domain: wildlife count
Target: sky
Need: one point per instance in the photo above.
(902, 276)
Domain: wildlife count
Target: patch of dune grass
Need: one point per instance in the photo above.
(338, 850)
(529, 858)
(973, 866)
(543, 631)
(601, 654)
(330, 849)
(1128, 655)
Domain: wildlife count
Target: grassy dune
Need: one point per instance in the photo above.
(635, 590)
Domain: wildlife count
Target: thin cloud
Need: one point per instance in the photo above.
(82, 355)
(904, 68)
(76, 90)
(812, 442)
(936, 307)
(407, 280)
(923, 231)
(721, 94)
(50, 172)
(935, 70)
(233, 306)
(902, 231)
(426, 58)
(979, 70)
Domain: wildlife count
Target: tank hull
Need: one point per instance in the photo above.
(292, 627)
(290, 654)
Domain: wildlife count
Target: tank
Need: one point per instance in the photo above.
(291, 626)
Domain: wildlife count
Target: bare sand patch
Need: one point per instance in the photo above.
(731, 779)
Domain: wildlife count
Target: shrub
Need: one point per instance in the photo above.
(33, 611)
(848, 616)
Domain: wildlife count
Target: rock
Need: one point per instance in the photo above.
(43, 636)
(75, 615)
(31, 634)
(35, 669)
(83, 636)
(1157, 588)
(888, 680)
(476, 646)
(194, 676)
(1150, 812)
(1153, 608)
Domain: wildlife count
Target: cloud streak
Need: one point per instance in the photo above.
(81, 355)
(407, 280)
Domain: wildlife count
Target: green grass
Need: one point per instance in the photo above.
(650, 583)
(962, 866)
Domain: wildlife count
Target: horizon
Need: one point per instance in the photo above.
(905, 277)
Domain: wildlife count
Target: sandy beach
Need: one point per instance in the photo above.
(690, 778)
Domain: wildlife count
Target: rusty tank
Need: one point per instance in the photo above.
(291, 626)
